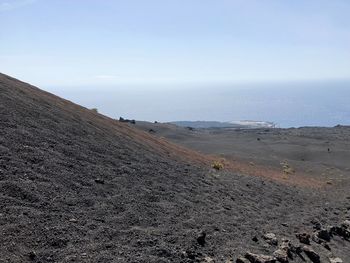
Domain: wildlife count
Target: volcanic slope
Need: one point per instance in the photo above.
(76, 186)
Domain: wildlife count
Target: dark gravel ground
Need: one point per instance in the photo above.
(76, 186)
(322, 153)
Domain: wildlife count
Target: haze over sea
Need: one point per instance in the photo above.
(114, 55)
(293, 104)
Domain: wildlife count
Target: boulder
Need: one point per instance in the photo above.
(342, 231)
(324, 234)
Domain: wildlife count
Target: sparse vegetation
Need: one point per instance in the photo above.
(217, 165)
(94, 110)
(287, 169)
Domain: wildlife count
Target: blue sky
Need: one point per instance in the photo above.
(137, 42)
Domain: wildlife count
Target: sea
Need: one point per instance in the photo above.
(292, 104)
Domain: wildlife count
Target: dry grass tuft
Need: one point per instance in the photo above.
(217, 165)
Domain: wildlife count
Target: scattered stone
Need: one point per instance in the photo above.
(285, 244)
(73, 220)
(326, 246)
(108, 246)
(255, 239)
(281, 255)
(99, 181)
(242, 260)
(313, 256)
(271, 239)
(335, 260)
(289, 248)
(255, 258)
(285, 224)
(316, 239)
(191, 254)
(59, 243)
(184, 254)
(317, 224)
(207, 260)
(201, 239)
(346, 224)
(32, 255)
(298, 250)
(304, 238)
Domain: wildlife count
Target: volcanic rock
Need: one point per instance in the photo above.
(346, 224)
(256, 258)
(313, 256)
(201, 238)
(324, 234)
(304, 238)
(99, 181)
(281, 255)
(336, 260)
(242, 260)
(271, 239)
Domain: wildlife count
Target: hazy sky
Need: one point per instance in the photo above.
(95, 42)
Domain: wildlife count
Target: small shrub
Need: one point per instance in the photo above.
(287, 169)
(94, 110)
(217, 165)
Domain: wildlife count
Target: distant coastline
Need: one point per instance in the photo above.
(287, 105)
(250, 124)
